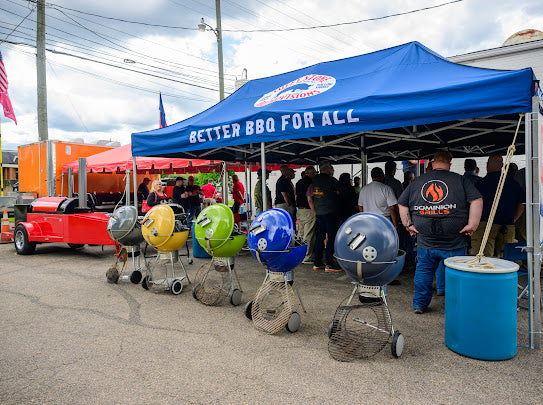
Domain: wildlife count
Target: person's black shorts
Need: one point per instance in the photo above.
(236, 206)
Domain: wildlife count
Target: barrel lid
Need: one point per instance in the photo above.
(500, 265)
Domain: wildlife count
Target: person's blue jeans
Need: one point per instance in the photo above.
(327, 226)
(194, 211)
(430, 262)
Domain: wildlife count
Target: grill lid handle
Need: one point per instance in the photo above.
(357, 241)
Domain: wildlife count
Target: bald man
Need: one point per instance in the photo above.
(510, 208)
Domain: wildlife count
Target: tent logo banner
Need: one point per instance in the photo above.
(303, 87)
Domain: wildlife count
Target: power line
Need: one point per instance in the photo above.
(348, 22)
(116, 66)
(115, 81)
(53, 5)
(76, 24)
(22, 21)
(258, 30)
(117, 48)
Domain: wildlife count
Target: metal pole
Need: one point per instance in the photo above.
(363, 163)
(224, 184)
(219, 49)
(1, 165)
(82, 186)
(50, 168)
(127, 187)
(41, 72)
(246, 186)
(263, 171)
(135, 181)
(62, 184)
(532, 225)
(249, 193)
(70, 182)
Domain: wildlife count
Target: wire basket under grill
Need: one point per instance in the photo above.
(211, 286)
(359, 330)
(272, 306)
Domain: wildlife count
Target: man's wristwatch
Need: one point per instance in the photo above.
(409, 225)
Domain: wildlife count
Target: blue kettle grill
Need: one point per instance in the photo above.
(272, 242)
(366, 248)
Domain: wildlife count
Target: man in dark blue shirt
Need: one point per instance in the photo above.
(509, 209)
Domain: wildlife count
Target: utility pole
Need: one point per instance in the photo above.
(42, 99)
(40, 70)
(219, 49)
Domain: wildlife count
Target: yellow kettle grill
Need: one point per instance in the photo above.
(164, 228)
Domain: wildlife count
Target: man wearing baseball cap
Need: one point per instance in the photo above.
(258, 192)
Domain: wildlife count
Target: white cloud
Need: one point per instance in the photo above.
(81, 103)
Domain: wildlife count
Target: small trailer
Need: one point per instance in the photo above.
(60, 220)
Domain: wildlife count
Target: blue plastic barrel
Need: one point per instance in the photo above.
(197, 250)
(481, 308)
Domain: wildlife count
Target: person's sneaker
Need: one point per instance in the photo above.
(419, 311)
(316, 268)
(440, 293)
(330, 269)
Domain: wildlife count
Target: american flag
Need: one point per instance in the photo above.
(4, 97)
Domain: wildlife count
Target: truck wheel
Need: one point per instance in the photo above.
(22, 244)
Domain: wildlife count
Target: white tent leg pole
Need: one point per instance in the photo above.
(363, 163)
(127, 187)
(135, 182)
(532, 225)
(249, 195)
(263, 171)
(246, 187)
(224, 176)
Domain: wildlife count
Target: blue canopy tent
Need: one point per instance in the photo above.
(399, 103)
(404, 101)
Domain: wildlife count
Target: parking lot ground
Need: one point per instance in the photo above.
(69, 337)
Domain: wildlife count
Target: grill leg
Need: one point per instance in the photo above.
(299, 297)
(235, 276)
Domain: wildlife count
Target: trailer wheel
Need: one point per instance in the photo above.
(76, 245)
(22, 245)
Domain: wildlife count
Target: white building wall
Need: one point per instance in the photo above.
(510, 57)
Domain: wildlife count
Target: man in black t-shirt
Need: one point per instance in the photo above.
(284, 192)
(194, 191)
(179, 194)
(440, 207)
(304, 214)
(143, 188)
(323, 198)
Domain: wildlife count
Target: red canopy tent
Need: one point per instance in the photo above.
(119, 160)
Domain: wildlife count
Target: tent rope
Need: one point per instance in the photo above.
(480, 261)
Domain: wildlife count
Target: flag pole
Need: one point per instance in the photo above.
(1, 163)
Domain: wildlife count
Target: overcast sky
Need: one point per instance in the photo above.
(92, 101)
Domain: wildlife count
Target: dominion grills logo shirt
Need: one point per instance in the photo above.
(439, 206)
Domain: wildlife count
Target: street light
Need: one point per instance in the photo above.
(202, 27)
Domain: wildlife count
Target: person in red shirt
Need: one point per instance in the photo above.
(210, 193)
(238, 193)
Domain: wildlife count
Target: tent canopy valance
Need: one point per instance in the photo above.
(407, 101)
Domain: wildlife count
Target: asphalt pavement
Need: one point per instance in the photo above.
(69, 337)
